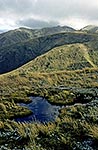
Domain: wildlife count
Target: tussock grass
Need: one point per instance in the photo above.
(76, 123)
(72, 126)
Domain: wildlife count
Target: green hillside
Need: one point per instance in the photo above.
(68, 65)
(66, 57)
(74, 122)
(64, 70)
(16, 55)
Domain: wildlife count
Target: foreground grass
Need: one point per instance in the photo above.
(77, 125)
(73, 128)
(10, 110)
(14, 84)
(80, 86)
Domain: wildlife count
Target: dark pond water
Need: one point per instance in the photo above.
(42, 110)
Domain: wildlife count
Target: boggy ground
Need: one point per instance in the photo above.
(75, 128)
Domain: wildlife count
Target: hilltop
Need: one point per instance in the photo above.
(16, 55)
(68, 65)
(66, 57)
(22, 34)
(90, 29)
(19, 46)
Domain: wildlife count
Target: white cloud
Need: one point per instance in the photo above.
(76, 13)
(35, 1)
(7, 24)
(36, 23)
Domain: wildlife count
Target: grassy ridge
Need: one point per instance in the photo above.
(69, 66)
(66, 57)
(64, 69)
(18, 84)
(17, 54)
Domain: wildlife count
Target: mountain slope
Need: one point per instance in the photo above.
(14, 56)
(69, 65)
(66, 75)
(23, 34)
(66, 57)
(90, 29)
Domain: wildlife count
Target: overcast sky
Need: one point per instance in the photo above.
(46, 13)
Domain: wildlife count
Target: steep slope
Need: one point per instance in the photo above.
(23, 34)
(74, 121)
(90, 29)
(66, 57)
(14, 56)
(70, 65)
(65, 75)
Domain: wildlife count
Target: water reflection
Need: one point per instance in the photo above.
(42, 110)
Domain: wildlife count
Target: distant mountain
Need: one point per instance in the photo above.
(16, 55)
(23, 34)
(57, 29)
(90, 28)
